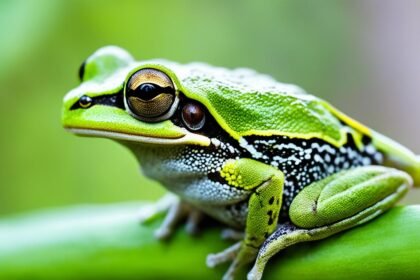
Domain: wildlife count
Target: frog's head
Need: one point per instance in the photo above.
(164, 102)
(125, 100)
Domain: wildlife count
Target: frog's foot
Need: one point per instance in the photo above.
(193, 222)
(153, 211)
(337, 203)
(227, 255)
(235, 254)
(177, 213)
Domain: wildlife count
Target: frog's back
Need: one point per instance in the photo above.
(263, 107)
(248, 103)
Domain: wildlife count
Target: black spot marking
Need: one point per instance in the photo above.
(271, 217)
(315, 206)
(271, 201)
(366, 140)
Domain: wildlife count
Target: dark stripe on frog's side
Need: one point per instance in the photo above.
(113, 100)
(304, 161)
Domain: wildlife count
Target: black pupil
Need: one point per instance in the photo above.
(148, 91)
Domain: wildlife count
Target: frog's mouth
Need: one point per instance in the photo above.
(189, 138)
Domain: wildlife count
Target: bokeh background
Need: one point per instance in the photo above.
(361, 55)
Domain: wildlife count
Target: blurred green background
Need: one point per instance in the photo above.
(360, 55)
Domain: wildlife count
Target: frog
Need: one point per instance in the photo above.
(274, 164)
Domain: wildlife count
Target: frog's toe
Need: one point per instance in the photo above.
(225, 256)
(163, 233)
(234, 268)
(193, 223)
(177, 212)
(229, 275)
(254, 274)
(155, 210)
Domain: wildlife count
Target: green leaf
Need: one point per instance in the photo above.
(109, 242)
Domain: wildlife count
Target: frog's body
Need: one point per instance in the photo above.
(198, 181)
(243, 148)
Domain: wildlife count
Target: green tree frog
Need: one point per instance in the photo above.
(275, 164)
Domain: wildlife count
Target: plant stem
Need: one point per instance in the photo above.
(109, 242)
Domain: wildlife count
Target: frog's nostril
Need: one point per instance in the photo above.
(82, 70)
(85, 101)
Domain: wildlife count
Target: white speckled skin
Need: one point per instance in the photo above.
(184, 171)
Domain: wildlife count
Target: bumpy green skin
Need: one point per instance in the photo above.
(246, 104)
(317, 204)
(264, 204)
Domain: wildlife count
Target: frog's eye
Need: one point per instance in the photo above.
(150, 95)
(193, 116)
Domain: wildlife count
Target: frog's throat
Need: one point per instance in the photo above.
(189, 138)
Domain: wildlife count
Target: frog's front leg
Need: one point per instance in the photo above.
(334, 204)
(266, 184)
